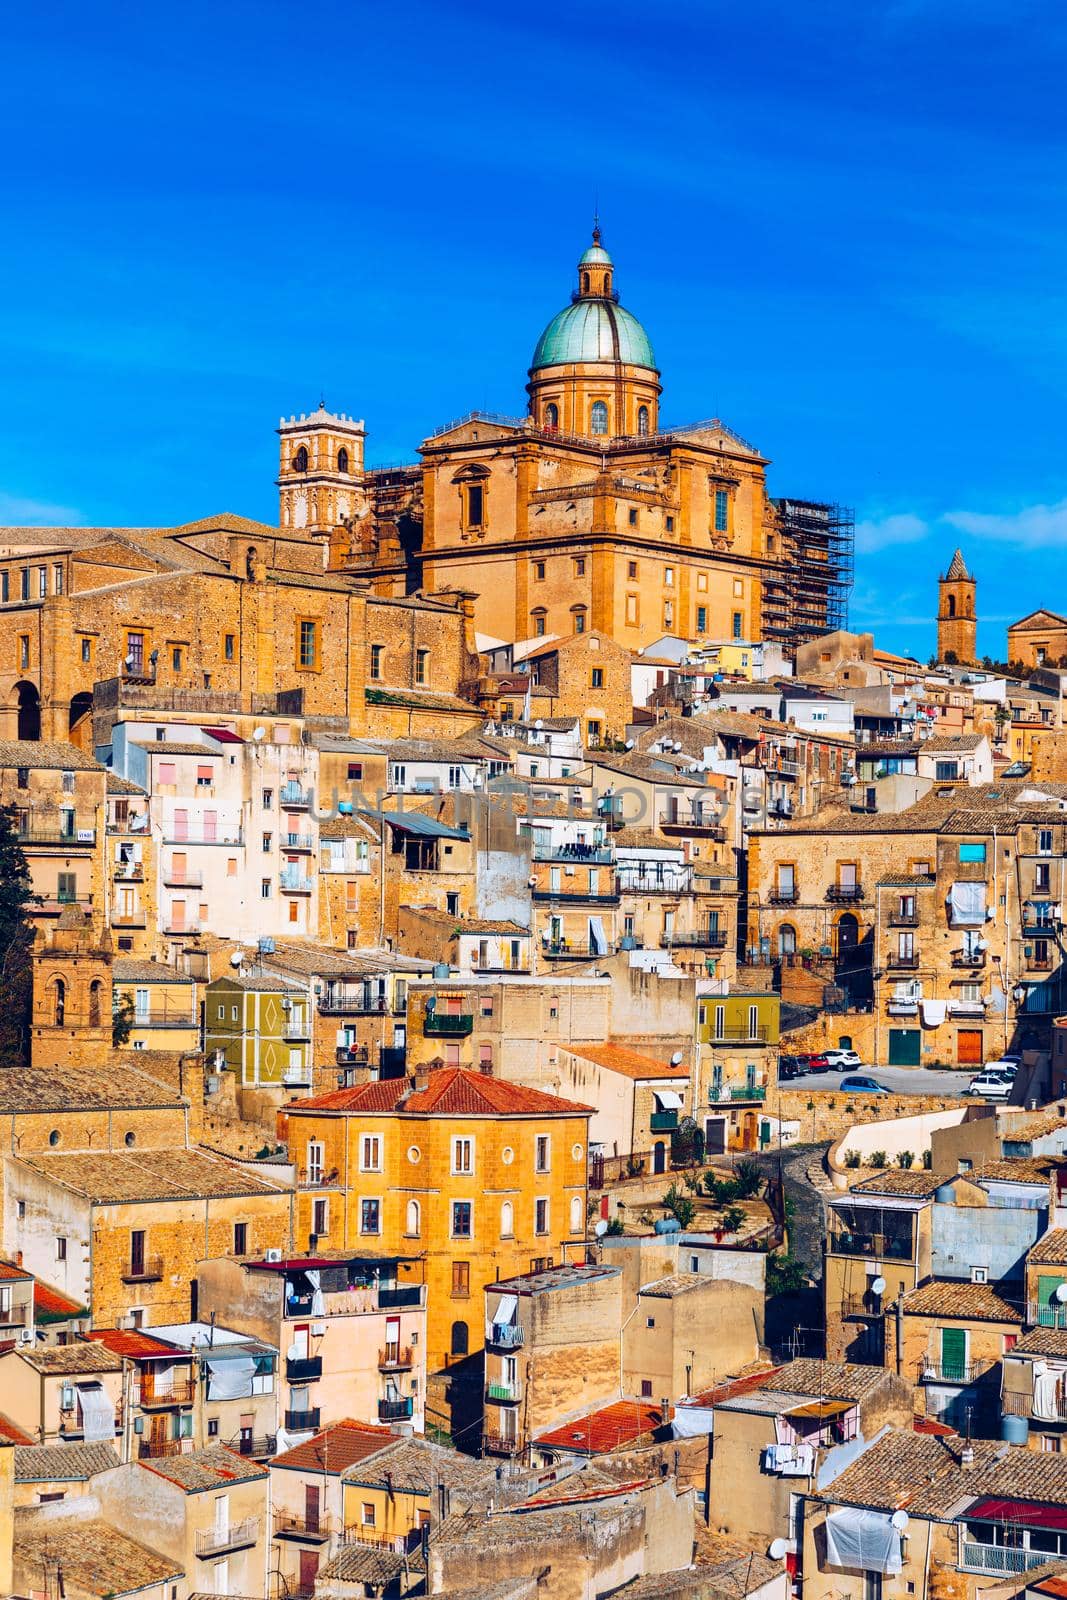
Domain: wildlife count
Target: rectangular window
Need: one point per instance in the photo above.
(24, 651)
(370, 1153)
(87, 650)
(462, 1155)
(631, 569)
(972, 852)
(631, 608)
(42, 582)
(1042, 878)
(540, 1216)
(24, 583)
(475, 505)
(227, 646)
(264, 888)
(539, 571)
(461, 1278)
(579, 566)
(738, 625)
(370, 1216)
(377, 651)
(422, 658)
(5, 586)
(240, 1238)
(668, 577)
(722, 510)
(596, 678)
(702, 619)
(57, 578)
(355, 772)
(633, 517)
(307, 644)
(320, 1218)
(593, 733)
(668, 614)
(670, 524)
(176, 659)
(1044, 841)
(579, 622)
(461, 1219)
(543, 1153)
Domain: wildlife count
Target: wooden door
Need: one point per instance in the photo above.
(309, 1566)
(969, 1047)
(311, 1507)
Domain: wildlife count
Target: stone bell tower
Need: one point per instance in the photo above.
(957, 622)
(72, 988)
(320, 471)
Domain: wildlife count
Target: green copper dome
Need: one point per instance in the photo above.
(593, 329)
(596, 256)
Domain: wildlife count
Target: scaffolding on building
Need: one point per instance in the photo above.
(808, 595)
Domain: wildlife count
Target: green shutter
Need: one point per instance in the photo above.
(954, 1355)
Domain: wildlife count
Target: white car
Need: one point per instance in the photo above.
(842, 1060)
(1007, 1066)
(990, 1085)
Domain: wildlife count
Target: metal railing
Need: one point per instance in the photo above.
(407, 1294)
(1042, 1315)
(303, 1421)
(203, 836)
(783, 897)
(845, 892)
(335, 1005)
(903, 919)
(303, 1369)
(574, 855)
(739, 1034)
(438, 1024)
(179, 1392)
(294, 882)
(298, 1525)
(296, 841)
(297, 1028)
(291, 794)
(188, 880)
(877, 1245)
(257, 1446)
(352, 1055)
(931, 1371)
(577, 896)
(396, 1358)
(975, 1557)
(505, 1335)
(163, 1017)
(506, 1392)
(69, 837)
(854, 1305)
(236, 1536)
(396, 1410)
(1052, 1408)
(638, 882)
(724, 1091)
(146, 1270)
(903, 962)
(499, 1444)
(149, 1449)
(700, 938)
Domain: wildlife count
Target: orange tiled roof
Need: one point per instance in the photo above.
(8, 1269)
(336, 1448)
(54, 1306)
(621, 1423)
(450, 1091)
(133, 1343)
(628, 1063)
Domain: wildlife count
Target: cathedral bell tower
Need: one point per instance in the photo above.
(320, 473)
(72, 989)
(957, 622)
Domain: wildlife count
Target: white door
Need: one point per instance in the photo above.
(222, 1577)
(222, 1515)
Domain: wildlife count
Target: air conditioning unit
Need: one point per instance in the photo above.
(25, 1336)
(272, 1255)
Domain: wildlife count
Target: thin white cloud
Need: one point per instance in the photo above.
(879, 533)
(1032, 527)
(16, 511)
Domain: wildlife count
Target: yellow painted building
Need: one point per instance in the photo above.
(475, 1177)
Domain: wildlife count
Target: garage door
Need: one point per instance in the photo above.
(715, 1136)
(905, 1047)
(969, 1047)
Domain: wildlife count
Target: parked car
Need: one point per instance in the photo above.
(814, 1063)
(990, 1085)
(859, 1083)
(1006, 1066)
(842, 1060)
(789, 1067)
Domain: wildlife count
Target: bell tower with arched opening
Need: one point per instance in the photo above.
(72, 986)
(957, 621)
(320, 471)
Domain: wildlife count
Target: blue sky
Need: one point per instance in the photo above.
(843, 225)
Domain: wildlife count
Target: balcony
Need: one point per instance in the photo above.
(1000, 1558)
(69, 838)
(1037, 963)
(297, 1078)
(704, 827)
(844, 893)
(353, 1055)
(663, 1121)
(899, 961)
(752, 1092)
(439, 1025)
(398, 1409)
(15, 1316)
(499, 1444)
(1053, 1409)
(968, 959)
(568, 897)
(339, 1004)
(504, 1335)
(225, 835)
(179, 1392)
(672, 883)
(292, 795)
(396, 1358)
(297, 1028)
(146, 1269)
(153, 1449)
(902, 1008)
(1040, 1315)
(572, 950)
(861, 1306)
(961, 1372)
(739, 1035)
(574, 855)
(236, 1536)
(903, 919)
(129, 872)
(293, 882)
(182, 880)
(258, 1447)
(131, 919)
(179, 930)
(966, 1008)
(303, 1369)
(163, 1017)
(317, 1177)
(302, 842)
(783, 897)
(298, 1525)
(405, 1294)
(303, 1421)
(502, 1394)
(699, 939)
(877, 1246)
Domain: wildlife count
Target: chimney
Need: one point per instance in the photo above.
(421, 1078)
(967, 1455)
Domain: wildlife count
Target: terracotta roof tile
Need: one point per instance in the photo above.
(906, 1182)
(626, 1062)
(335, 1448)
(1050, 1249)
(212, 1468)
(609, 1428)
(974, 1302)
(132, 1342)
(450, 1091)
(51, 1305)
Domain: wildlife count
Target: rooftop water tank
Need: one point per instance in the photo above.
(1013, 1429)
(667, 1225)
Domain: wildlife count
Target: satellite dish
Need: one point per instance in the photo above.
(778, 1549)
(982, 944)
(878, 1286)
(237, 958)
(295, 1353)
(601, 1228)
(676, 1059)
(900, 1520)
(258, 734)
(1061, 1292)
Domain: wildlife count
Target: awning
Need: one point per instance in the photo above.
(866, 1540)
(598, 943)
(821, 1410)
(881, 1202)
(1031, 1513)
(230, 1379)
(967, 904)
(98, 1412)
(506, 1310)
(668, 1100)
(415, 822)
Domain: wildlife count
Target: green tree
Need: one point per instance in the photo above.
(121, 1020)
(16, 945)
(680, 1205)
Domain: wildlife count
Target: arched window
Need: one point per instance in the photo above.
(413, 1219)
(300, 460)
(460, 1338)
(60, 1002)
(952, 605)
(787, 939)
(642, 420)
(598, 417)
(579, 619)
(507, 1220)
(342, 459)
(585, 283)
(250, 561)
(94, 1003)
(552, 415)
(576, 1213)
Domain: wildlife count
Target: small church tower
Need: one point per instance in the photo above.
(957, 624)
(320, 471)
(72, 986)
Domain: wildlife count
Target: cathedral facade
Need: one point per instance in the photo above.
(584, 514)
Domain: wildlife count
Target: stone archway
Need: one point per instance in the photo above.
(80, 722)
(28, 702)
